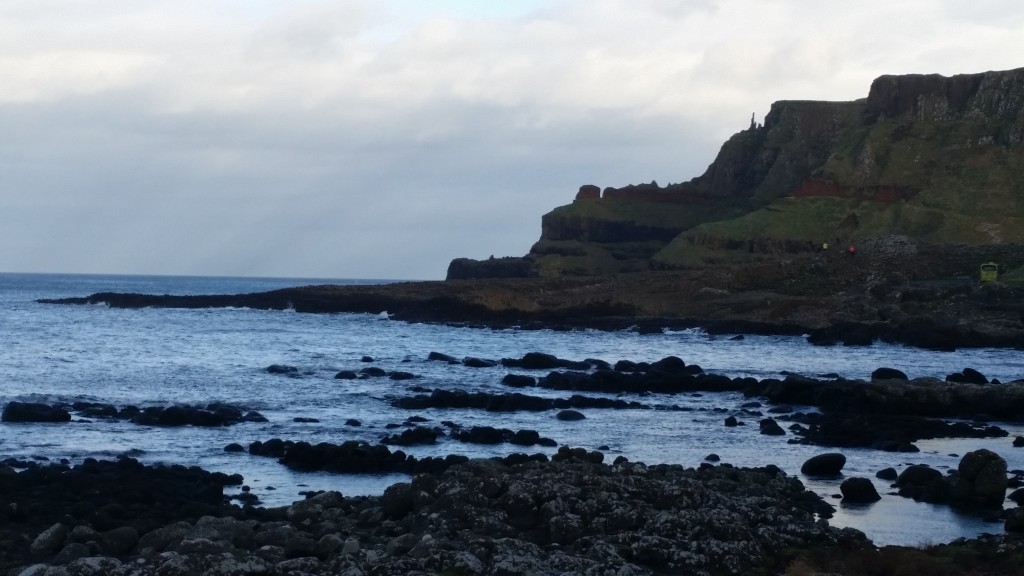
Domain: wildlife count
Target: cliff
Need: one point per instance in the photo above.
(924, 160)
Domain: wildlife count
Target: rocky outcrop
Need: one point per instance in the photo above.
(570, 515)
(913, 139)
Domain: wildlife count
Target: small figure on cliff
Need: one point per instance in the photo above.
(852, 249)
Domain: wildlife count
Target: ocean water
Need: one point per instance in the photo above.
(144, 357)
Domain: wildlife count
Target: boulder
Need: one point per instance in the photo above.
(770, 427)
(888, 374)
(967, 376)
(412, 437)
(49, 541)
(1018, 442)
(519, 381)
(731, 421)
(1015, 520)
(828, 464)
(982, 478)
(478, 362)
(282, 369)
(346, 375)
(439, 357)
(33, 412)
(570, 415)
(889, 474)
(859, 491)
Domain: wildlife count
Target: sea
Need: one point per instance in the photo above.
(159, 357)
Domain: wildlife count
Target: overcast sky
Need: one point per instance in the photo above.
(381, 139)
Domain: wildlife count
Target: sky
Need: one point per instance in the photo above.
(381, 139)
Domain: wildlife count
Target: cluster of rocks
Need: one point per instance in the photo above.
(419, 435)
(209, 415)
(887, 432)
(513, 402)
(979, 480)
(573, 514)
(351, 457)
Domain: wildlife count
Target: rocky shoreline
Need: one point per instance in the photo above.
(849, 306)
(572, 514)
(523, 514)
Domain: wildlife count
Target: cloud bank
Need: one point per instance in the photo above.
(380, 139)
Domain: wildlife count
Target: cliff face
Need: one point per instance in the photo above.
(929, 158)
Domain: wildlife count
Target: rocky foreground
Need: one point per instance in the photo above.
(572, 515)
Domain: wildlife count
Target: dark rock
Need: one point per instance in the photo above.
(253, 416)
(282, 369)
(399, 375)
(353, 422)
(1015, 520)
(483, 435)
(541, 361)
(923, 483)
(33, 412)
(888, 374)
(234, 447)
(829, 464)
(1017, 497)
(478, 363)
(713, 458)
(968, 376)
(731, 421)
(373, 372)
(439, 357)
(366, 359)
(519, 381)
(346, 375)
(982, 479)
(305, 420)
(770, 427)
(859, 491)
(889, 474)
(1018, 442)
(412, 437)
(570, 415)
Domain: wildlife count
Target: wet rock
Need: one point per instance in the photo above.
(888, 374)
(1018, 442)
(412, 437)
(353, 422)
(373, 372)
(859, 491)
(33, 412)
(541, 361)
(439, 357)
(731, 421)
(49, 541)
(1015, 520)
(120, 541)
(770, 427)
(366, 359)
(400, 375)
(968, 376)
(519, 381)
(478, 363)
(981, 479)
(887, 474)
(346, 375)
(829, 464)
(282, 369)
(570, 415)
(1017, 497)
(234, 447)
(921, 482)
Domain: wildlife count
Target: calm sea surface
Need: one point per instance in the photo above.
(51, 353)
